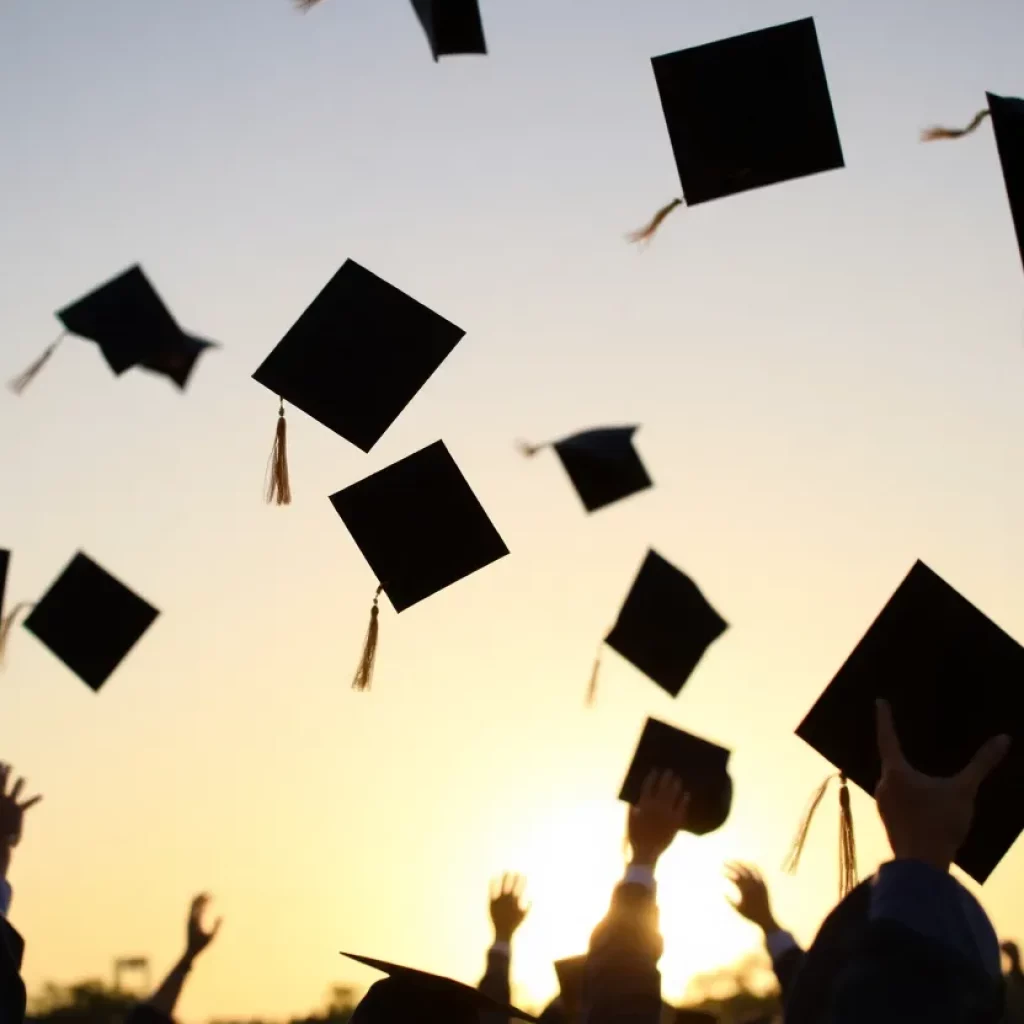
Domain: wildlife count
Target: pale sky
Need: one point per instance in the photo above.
(828, 374)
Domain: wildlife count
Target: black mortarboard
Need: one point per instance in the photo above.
(452, 26)
(420, 527)
(356, 358)
(666, 624)
(953, 679)
(1008, 124)
(408, 994)
(90, 620)
(745, 112)
(132, 326)
(571, 973)
(602, 464)
(701, 766)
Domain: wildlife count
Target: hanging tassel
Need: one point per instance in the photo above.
(25, 378)
(936, 132)
(847, 846)
(364, 673)
(592, 686)
(305, 5)
(792, 861)
(278, 487)
(7, 623)
(646, 233)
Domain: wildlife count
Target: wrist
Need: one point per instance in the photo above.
(644, 859)
(769, 926)
(503, 937)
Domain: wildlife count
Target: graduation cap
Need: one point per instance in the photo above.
(664, 627)
(571, 973)
(408, 994)
(132, 326)
(745, 112)
(421, 528)
(89, 620)
(452, 26)
(700, 765)
(353, 361)
(1007, 115)
(602, 464)
(5, 561)
(954, 679)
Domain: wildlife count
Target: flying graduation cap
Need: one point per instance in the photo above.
(408, 994)
(132, 326)
(421, 528)
(745, 112)
(452, 27)
(665, 626)
(1007, 115)
(602, 464)
(88, 619)
(953, 679)
(701, 766)
(353, 361)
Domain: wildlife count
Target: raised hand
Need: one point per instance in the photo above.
(753, 901)
(197, 937)
(507, 908)
(12, 808)
(657, 817)
(927, 818)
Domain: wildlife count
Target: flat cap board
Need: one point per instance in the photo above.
(748, 111)
(954, 679)
(444, 993)
(177, 359)
(571, 972)
(358, 355)
(126, 318)
(700, 765)
(90, 620)
(452, 26)
(5, 562)
(603, 465)
(666, 624)
(419, 525)
(1008, 125)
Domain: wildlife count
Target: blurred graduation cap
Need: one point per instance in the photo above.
(1007, 115)
(744, 112)
(89, 620)
(700, 765)
(132, 326)
(421, 528)
(664, 627)
(954, 679)
(353, 361)
(408, 994)
(602, 464)
(5, 561)
(452, 26)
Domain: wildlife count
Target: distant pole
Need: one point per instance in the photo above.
(132, 965)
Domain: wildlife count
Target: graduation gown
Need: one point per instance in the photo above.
(12, 988)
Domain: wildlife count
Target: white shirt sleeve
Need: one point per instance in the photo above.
(5, 896)
(779, 943)
(640, 874)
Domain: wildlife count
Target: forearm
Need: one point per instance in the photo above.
(496, 981)
(165, 998)
(623, 984)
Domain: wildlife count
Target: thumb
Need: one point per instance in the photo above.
(984, 763)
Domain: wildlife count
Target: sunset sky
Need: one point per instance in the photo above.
(828, 374)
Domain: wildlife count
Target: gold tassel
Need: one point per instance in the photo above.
(25, 378)
(646, 233)
(278, 487)
(792, 861)
(847, 846)
(936, 132)
(7, 623)
(305, 5)
(364, 673)
(592, 687)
